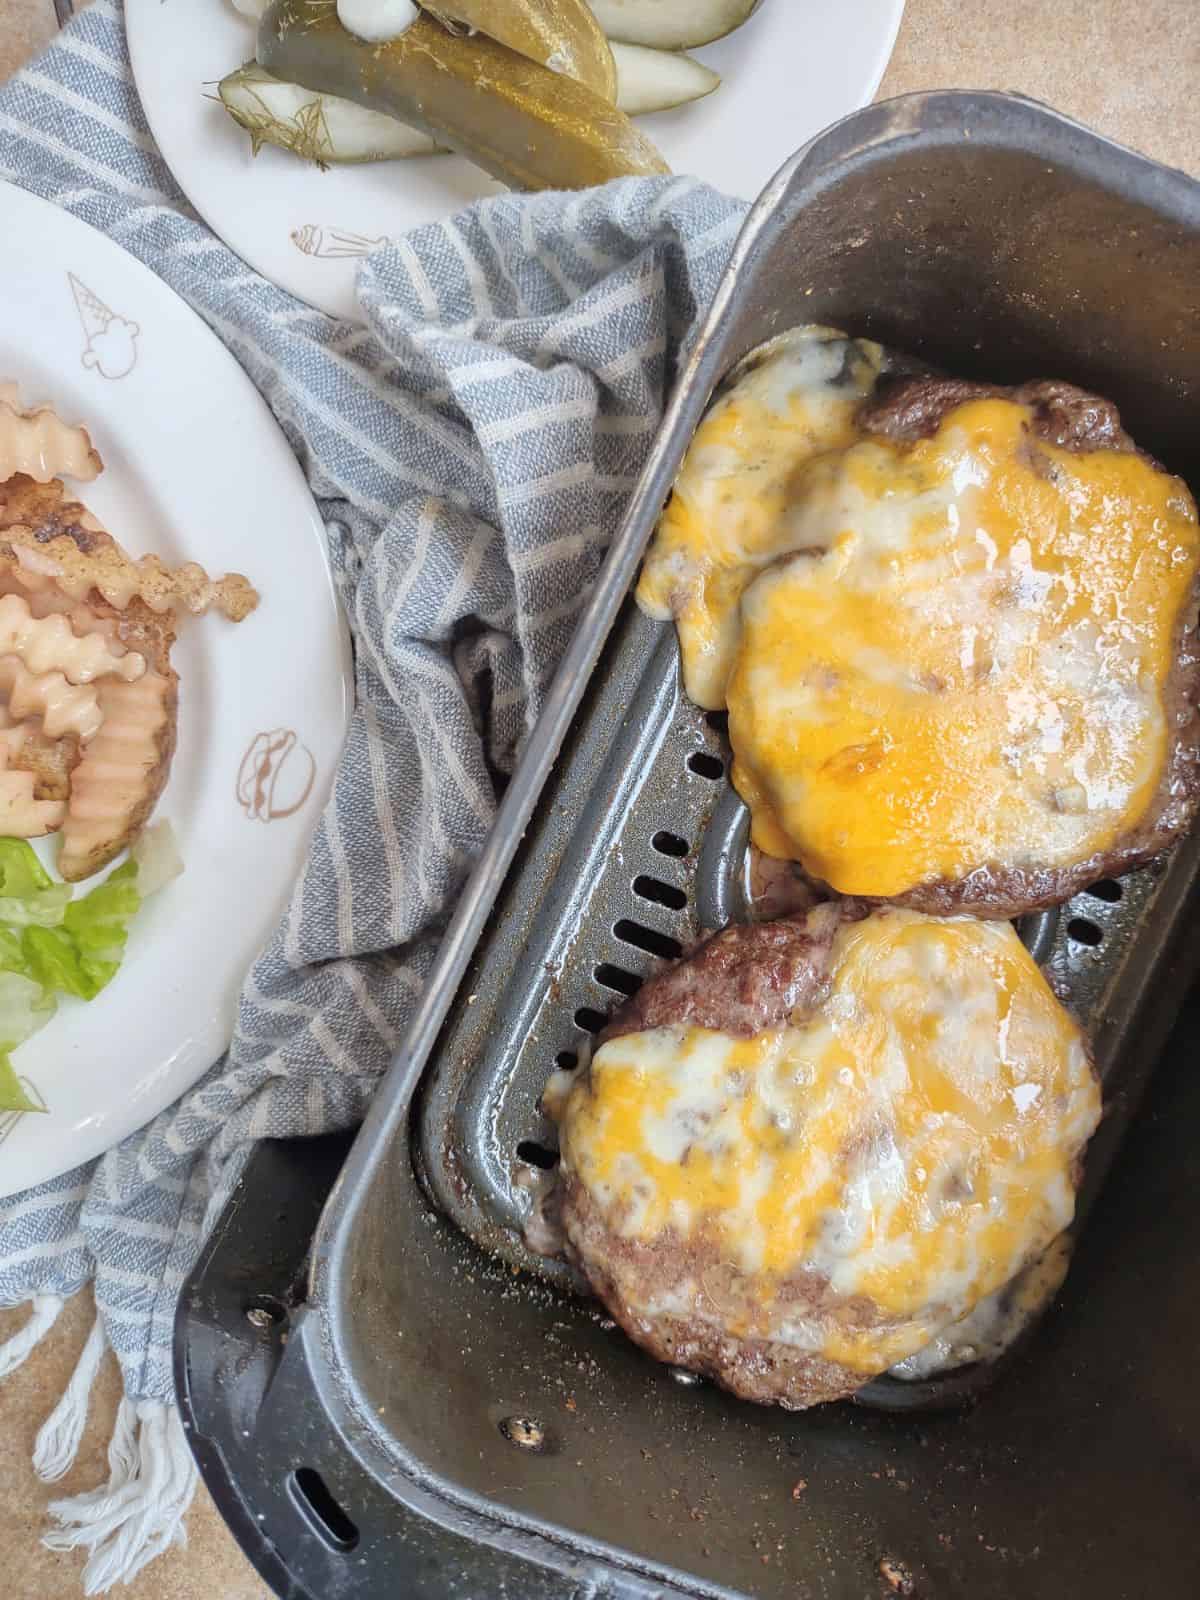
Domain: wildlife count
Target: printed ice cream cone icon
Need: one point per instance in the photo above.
(330, 244)
(110, 340)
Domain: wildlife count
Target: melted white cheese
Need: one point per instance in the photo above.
(733, 510)
(996, 1323)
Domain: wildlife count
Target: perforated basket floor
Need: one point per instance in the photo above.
(640, 846)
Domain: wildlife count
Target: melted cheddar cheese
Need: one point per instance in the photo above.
(970, 667)
(733, 506)
(937, 657)
(914, 1143)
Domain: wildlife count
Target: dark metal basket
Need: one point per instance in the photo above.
(447, 1416)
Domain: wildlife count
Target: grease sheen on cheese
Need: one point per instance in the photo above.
(914, 1143)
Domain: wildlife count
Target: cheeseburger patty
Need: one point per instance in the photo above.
(954, 625)
(1078, 422)
(813, 1146)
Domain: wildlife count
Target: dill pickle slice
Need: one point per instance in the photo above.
(531, 127)
(560, 34)
(671, 24)
(332, 131)
(659, 80)
(316, 127)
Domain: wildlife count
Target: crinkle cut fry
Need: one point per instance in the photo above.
(58, 706)
(44, 535)
(51, 644)
(123, 769)
(39, 443)
(23, 813)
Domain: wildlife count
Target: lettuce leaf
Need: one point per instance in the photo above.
(51, 944)
(99, 923)
(21, 873)
(28, 895)
(25, 1006)
(12, 1096)
(79, 953)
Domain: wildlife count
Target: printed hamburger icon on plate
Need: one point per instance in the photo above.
(276, 776)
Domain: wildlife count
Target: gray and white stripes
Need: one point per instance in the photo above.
(472, 448)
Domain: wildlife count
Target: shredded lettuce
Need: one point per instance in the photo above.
(53, 959)
(157, 856)
(27, 892)
(21, 873)
(80, 954)
(44, 909)
(72, 946)
(99, 925)
(12, 955)
(12, 1096)
(25, 1006)
(51, 944)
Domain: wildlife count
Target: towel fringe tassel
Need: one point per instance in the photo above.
(44, 1315)
(152, 1478)
(58, 1440)
(140, 1511)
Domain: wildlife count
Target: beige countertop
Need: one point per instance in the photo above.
(1130, 70)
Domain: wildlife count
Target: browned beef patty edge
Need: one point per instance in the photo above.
(743, 980)
(910, 408)
(764, 1370)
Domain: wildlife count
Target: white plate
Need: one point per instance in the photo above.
(196, 469)
(794, 68)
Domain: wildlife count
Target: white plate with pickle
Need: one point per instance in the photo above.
(738, 86)
(167, 737)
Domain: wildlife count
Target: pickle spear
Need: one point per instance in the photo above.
(531, 127)
(334, 132)
(560, 34)
(316, 127)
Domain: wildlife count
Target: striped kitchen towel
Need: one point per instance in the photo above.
(472, 448)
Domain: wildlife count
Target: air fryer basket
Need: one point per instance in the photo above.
(640, 844)
(446, 1419)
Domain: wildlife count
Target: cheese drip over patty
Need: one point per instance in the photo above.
(869, 1175)
(938, 657)
(733, 508)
